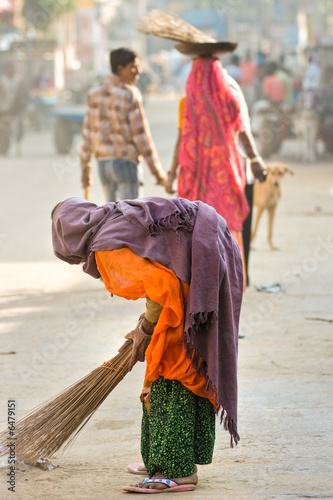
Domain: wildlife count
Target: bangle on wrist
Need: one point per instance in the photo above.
(256, 159)
(144, 333)
(171, 174)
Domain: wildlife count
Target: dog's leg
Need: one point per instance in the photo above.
(258, 215)
(271, 213)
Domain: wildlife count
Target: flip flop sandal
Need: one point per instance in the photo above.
(134, 468)
(169, 483)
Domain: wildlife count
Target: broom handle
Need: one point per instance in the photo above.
(87, 189)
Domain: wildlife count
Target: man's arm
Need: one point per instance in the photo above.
(144, 141)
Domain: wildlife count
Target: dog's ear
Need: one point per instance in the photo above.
(288, 170)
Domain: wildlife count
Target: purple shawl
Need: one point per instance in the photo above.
(192, 240)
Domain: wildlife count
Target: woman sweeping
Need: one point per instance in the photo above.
(181, 257)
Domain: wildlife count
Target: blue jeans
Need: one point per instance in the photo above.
(119, 179)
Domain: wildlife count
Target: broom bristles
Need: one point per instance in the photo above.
(169, 26)
(57, 423)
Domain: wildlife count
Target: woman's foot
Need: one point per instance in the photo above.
(140, 468)
(188, 480)
(192, 479)
(137, 468)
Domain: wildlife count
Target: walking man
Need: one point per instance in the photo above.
(116, 131)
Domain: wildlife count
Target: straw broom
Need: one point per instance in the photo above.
(172, 27)
(57, 423)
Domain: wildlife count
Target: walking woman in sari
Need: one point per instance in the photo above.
(212, 121)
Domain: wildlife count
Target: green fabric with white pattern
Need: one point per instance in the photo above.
(179, 431)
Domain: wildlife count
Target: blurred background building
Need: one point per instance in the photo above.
(68, 41)
(59, 48)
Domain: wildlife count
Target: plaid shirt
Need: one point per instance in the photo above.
(115, 126)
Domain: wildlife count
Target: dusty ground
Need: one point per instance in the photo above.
(61, 324)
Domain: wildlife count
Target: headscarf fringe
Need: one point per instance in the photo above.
(183, 221)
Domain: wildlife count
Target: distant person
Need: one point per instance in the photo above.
(249, 68)
(285, 77)
(233, 68)
(11, 86)
(260, 58)
(13, 103)
(43, 81)
(213, 117)
(296, 88)
(273, 86)
(312, 75)
(116, 131)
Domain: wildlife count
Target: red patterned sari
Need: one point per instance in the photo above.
(211, 170)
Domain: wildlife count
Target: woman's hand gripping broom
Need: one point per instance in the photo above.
(57, 423)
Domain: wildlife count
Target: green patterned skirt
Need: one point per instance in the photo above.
(179, 431)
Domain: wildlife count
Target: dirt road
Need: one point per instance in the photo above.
(61, 324)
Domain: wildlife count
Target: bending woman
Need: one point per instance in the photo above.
(181, 257)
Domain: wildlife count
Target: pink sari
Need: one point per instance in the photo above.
(211, 170)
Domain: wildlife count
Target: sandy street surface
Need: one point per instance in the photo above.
(61, 324)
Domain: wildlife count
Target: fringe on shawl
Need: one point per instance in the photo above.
(229, 425)
(177, 221)
(205, 319)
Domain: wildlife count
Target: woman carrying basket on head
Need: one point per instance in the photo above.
(213, 121)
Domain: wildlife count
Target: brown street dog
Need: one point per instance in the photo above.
(266, 196)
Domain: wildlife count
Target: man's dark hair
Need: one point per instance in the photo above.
(121, 57)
